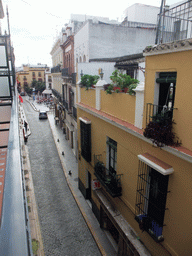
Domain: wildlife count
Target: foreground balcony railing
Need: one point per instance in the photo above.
(111, 181)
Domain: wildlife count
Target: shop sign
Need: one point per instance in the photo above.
(96, 184)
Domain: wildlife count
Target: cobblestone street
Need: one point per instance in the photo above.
(63, 228)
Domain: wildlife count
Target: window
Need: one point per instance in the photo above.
(85, 130)
(151, 195)
(112, 155)
(39, 74)
(33, 74)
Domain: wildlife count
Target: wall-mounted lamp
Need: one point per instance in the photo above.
(101, 73)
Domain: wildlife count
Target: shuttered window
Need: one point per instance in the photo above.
(151, 197)
(85, 129)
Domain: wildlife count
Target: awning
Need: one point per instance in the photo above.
(46, 91)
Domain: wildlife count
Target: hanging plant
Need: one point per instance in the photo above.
(89, 81)
(160, 131)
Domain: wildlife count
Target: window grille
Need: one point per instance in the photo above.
(151, 200)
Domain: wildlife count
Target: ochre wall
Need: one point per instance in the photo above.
(177, 232)
(88, 97)
(179, 62)
(124, 110)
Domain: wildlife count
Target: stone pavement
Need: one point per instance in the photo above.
(69, 163)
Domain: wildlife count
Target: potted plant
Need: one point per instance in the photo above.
(89, 81)
(121, 83)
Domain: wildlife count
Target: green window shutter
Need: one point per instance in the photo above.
(85, 141)
(166, 77)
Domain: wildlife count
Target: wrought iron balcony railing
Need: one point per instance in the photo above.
(159, 126)
(158, 113)
(110, 180)
(56, 69)
(57, 95)
(64, 72)
(174, 23)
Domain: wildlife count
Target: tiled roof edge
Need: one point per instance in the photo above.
(175, 46)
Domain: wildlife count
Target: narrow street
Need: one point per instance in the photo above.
(63, 228)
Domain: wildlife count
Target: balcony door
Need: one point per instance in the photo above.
(167, 86)
(112, 155)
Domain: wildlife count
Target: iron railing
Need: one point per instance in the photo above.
(56, 69)
(175, 23)
(158, 113)
(57, 95)
(64, 72)
(110, 180)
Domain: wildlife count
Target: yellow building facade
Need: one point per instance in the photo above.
(140, 190)
(28, 74)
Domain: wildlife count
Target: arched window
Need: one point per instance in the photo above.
(80, 60)
(84, 58)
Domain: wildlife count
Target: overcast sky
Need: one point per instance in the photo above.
(35, 24)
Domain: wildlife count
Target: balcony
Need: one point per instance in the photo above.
(159, 126)
(111, 181)
(65, 72)
(56, 69)
(57, 95)
(174, 24)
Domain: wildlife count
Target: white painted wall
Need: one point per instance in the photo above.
(93, 67)
(107, 41)
(81, 44)
(142, 13)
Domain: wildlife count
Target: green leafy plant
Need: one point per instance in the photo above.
(121, 82)
(88, 80)
(160, 131)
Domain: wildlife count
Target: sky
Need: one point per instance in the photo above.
(35, 24)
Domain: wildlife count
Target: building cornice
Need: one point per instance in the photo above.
(131, 129)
